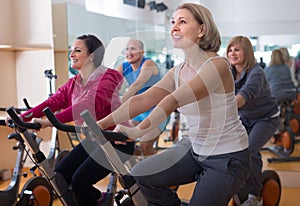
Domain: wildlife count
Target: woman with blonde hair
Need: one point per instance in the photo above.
(256, 107)
(290, 62)
(215, 154)
(279, 77)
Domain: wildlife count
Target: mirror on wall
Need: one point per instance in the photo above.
(115, 32)
(156, 36)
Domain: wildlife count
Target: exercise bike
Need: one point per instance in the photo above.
(271, 192)
(44, 165)
(57, 182)
(130, 194)
(56, 154)
(36, 190)
(271, 182)
(285, 139)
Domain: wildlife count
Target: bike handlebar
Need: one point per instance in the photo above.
(56, 123)
(18, 110)
(26, 104)
(19, 122)
(10, 123)
(99, 133)
(109, 135)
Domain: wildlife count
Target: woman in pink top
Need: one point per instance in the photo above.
(95, 88)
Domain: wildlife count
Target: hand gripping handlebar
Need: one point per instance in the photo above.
(56, 123)
(19, 122)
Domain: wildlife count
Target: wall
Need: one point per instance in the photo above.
(26, 30)
(8, 88)
(60, 33)
(30, 50)
(6, 35)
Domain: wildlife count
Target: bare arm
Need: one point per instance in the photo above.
(140, 103)
(215, 77)
(120, 69)
(148, 69)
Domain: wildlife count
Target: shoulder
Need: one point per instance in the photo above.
(112, 72)
(220, 61)
(148, 62)
(221, 64)
(72, 80)
(256, 69)
(269, 68)
(69, 84)
(126, 67)
(256, 73)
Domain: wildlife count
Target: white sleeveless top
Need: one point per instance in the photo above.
(214, 125)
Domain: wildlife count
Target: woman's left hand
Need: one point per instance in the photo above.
(43, 122)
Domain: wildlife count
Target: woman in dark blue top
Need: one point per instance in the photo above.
(280, 79)
(257, 109)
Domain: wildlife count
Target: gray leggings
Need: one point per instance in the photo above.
(218, 177)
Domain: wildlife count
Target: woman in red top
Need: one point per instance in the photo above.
(95, 88)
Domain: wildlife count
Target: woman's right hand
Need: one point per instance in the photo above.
(43, 122)
(131, 132)
(99, 124)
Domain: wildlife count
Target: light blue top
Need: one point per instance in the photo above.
(131, 76)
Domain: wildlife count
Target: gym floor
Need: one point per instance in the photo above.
(289, 173)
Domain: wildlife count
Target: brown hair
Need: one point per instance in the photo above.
(246, 46)
(94, 46)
